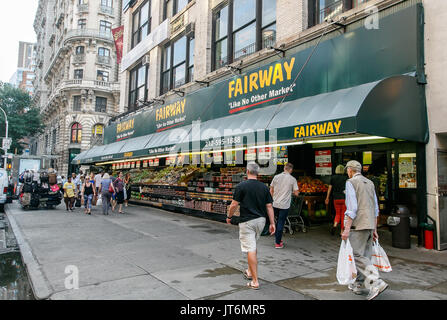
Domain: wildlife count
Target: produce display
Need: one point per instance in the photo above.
(167, 176)
(311, 185)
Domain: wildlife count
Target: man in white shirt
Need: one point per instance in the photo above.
(98, 179)
(281, 189)
(360, 224)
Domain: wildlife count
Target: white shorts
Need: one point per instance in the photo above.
(249, 233)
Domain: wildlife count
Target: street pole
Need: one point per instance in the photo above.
(6, 138)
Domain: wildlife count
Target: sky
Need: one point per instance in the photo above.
(16, 24)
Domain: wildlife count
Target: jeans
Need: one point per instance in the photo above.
(281, 215)
(88, 201)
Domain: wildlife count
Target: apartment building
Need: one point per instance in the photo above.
(24, 75)
(77, 79)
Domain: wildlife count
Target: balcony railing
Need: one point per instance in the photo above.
(106, 9)
(79, 58)
(103, 59)
(85, 33)
(83, 7)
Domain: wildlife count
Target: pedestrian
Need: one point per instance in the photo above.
(106, 184)
(88, 192)
(127, 181)
(360, 225)
(337, 187)
(255, 203)
(113, 194)
(118, 185)
(98, 179)
(69, 194)
(281, 189)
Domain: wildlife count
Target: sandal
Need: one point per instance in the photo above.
(251, 286)
(246, 276)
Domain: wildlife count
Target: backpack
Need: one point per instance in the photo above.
(44, 176)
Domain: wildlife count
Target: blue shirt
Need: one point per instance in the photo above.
(351, 201)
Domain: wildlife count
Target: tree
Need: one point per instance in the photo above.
(24, 119)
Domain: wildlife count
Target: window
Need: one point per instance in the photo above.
(138, 85)
(98, 130)
(102, 75)
(242, 27)
(105, 27)
(54, 137)
(172, 7)
(82, 23)
(107, 3)
(76, 133)
(321, 10)
(141, 23)
(77, 103)
(79, 50)
(79, 74)
(178, 63)
(103, 52)
(101, 104)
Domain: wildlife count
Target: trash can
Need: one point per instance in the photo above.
(399, 221)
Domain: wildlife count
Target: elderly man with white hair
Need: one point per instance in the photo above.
(361, 229)
(255, 203)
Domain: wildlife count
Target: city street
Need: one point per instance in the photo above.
(149, 253)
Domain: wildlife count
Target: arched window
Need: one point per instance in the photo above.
(76, 132)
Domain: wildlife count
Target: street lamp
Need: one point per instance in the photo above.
(6, 138)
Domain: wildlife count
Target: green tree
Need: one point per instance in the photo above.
(24, 119)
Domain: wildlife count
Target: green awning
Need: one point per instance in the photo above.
(393, 107)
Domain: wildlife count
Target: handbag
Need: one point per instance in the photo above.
(346, 270)
(78, 201)
(379, 258)
(111, 190)
(94, 200)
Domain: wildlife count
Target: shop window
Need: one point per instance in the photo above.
(139, 83)
(242, 27)
(82, 23)
(172, 7)
(76, 133)
(102, 75)
(77, 103)
(101, 104)
(141, 23)
(79, 74)
(177, 66)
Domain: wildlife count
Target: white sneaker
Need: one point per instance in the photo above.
(356, 288)
(377, 289)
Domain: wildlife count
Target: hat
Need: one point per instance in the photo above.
(354, 165)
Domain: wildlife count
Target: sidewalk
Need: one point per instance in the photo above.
(149, 253)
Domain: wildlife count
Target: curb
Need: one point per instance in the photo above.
(39, 284)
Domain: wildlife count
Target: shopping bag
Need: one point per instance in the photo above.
(346, 271)
(94, 200)
(379, 258)
(99, 201)
(125, 193)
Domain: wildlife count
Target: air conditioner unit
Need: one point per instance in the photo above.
(189, 29)
(146, 59)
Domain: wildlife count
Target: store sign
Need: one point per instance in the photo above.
(171, 115)
(124, 130)
(323, 162)
(250, 155)
(318, 129)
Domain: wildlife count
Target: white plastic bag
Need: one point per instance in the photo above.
(99, 201)
(379, 258)
(346, 271)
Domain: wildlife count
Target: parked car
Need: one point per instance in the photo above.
(4, 183)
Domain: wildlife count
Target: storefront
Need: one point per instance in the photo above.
(187, 154)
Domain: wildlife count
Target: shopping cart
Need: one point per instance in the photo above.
(294, 218)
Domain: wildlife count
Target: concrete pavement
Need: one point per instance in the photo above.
(149, 253)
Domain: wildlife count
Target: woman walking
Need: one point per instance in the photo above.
(127, 182)
(104, 189)
(88, 192)
(118, 185)
(338, 183)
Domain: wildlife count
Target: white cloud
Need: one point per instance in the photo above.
(16, 24)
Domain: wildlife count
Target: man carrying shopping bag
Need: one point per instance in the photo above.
(361, 229)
